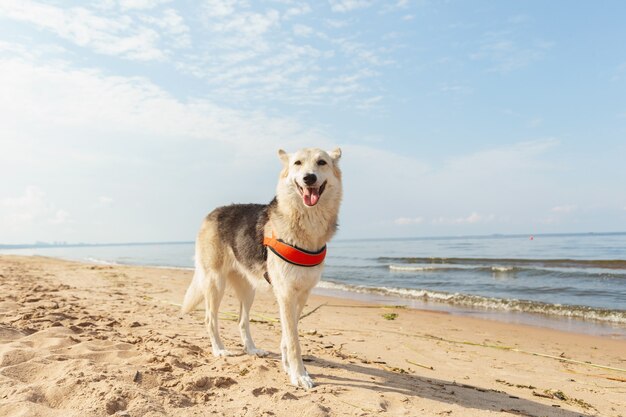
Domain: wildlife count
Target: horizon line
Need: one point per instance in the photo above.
(39, 244)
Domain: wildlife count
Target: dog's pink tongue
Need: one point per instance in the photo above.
(311, 196)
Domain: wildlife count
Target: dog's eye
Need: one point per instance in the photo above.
(321, 162)
(297, 163)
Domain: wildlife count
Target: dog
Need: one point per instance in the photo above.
(283, 241)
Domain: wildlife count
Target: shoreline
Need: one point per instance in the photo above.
(560, 323)
(375, 295)
(82, 339)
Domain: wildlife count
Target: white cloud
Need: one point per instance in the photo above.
(337, 24)
(29, 211)
(42, 102)
(60, 217)
(505, 54)
(219, 8)
(247, 26)
(104, 200)
(568, 208)
(244, 52)
(32, 197)
(343, 6)
(253, 58)
(519, 156)
(172, 23)
(398, 6)
(109, 36)
(456, 88)
(141, 4)
(297, 10)
(370, 103)
(402, 221)
(362, 52)
(470, 219)
(63, 97)
(549, 221)
(302, 30)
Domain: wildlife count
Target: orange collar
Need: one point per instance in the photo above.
(293, 254)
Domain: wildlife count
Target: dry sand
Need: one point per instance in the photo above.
(89, 340)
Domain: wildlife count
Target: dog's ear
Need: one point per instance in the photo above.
(335, 154)
(284, 156)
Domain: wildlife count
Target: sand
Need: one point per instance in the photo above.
(93, 340)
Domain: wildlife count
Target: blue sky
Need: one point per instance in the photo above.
(129, 120)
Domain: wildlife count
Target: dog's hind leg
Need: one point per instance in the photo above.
(245, 293)
(290, 345)
(283, 352)
(213, 294)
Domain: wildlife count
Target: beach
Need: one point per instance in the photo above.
(79, 339)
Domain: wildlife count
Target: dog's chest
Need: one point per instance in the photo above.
(298, 278)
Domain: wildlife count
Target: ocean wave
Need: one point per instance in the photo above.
(488, 303)
(416, 268)
(112, 263)
(502, 269)
(99, 261)
(439, 268)
(613, 264)
(553, 272)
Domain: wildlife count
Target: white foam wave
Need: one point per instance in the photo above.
(413, 268)
(488, 303)
(99, 261)
(502, 268)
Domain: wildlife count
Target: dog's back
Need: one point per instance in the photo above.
(230, 242)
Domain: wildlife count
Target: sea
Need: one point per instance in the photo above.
(573, 282)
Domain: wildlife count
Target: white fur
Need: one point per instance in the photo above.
(292, 221)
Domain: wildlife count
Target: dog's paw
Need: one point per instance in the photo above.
(304, 380)
(257, 352)
(222, 352)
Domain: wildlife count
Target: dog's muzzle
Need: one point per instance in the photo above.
(311, 195)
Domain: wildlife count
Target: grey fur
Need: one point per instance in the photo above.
(241, 227)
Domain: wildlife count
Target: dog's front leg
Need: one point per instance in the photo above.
(290, 345)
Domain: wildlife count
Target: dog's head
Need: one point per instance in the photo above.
(311, 176)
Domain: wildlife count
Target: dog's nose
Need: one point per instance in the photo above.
(310, 179)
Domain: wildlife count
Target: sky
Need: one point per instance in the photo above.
(129, 120)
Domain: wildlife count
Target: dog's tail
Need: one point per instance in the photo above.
(194, 293)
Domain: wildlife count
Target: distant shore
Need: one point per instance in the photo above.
(89, 340)
(176, 242)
